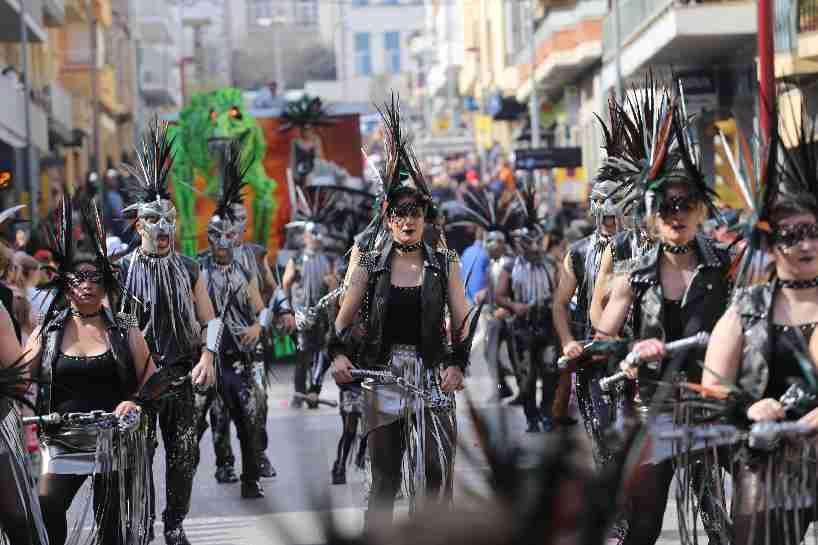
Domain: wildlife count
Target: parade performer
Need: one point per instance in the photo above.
(494, 221)
(85, 359)
(253, 258)
(235, 295)
(526, 287)
(403, 289)
(763, 350)
(676, 289)
(21, 519)
(577, 277)
(169, 300)
(308, 276)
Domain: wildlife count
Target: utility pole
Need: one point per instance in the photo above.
(28, 156)
(228, 38)
(454, 107)
(766, 65)
(533, 100)
(341, 64)
(92, 22)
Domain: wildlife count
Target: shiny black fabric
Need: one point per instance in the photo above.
(403, 318)
(238, 391)
(117, 336)
(83, 384)
(433, 346)
(703, 304)
(58, 491)
(177, 421)
(787, 343)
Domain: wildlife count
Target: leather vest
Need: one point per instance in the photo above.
(434, 348)
(52, 341)
(703, 303)
(754, 305)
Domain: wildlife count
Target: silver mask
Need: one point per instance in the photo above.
(240, 212)
(494, 239)
(223, 234)
(158, 218)
(604, 203)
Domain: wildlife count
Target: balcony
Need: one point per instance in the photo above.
(156, 76)
(12, 116)
(683, 35)
(10, 21)
(568, 41)
(61, 112)
(54, 12)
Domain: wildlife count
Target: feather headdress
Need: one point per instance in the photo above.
(401, 174)
(305, 112)
(481, 208)
(316, 206)
(232, 170)
(532, 224)
(66, 255)
(154, 157)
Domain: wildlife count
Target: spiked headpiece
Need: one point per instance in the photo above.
(226, 226)
(480, 208)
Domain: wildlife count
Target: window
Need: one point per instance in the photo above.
(306, 12)
(391, 46)
(360, 2)
(259, 9)
(363, 59)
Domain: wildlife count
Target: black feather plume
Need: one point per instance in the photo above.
(233, 168)
(154, 159)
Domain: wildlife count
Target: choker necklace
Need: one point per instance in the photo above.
(78, 314)
(408, 248)
(681, 249)
(799, 284)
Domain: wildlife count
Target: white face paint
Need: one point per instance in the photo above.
(157, 220)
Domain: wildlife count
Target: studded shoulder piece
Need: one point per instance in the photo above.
(126, 320)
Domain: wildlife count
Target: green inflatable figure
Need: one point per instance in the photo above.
(212, 120)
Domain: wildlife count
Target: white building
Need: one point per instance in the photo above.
(371, 43)
(158, 53)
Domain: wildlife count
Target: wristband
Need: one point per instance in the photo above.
(213, 340)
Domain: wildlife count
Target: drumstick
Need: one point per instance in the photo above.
(320, 400)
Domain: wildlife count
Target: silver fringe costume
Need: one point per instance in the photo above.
(21, 520)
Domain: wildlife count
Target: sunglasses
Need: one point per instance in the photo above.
(76, 279)
(790, 236)
(407, 210)
(674, 205)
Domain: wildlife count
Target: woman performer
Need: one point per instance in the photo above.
(88, 360)
(765, 344)
(21, 520)
(676, 289)
(404, 289)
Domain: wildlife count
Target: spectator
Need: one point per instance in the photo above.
(506, 176)
(113, 204)
(474, 267)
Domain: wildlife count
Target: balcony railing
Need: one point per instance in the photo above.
(632, 15)
(560, 18)
(807, 15)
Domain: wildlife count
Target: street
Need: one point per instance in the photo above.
(302, 449)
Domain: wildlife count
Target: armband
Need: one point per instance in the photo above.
(213, 338)
(265, 318)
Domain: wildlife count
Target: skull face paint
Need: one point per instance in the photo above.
(157, 226)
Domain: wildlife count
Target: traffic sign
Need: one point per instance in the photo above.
(541, 158)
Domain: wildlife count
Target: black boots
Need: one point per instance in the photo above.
(174, 533)
(266, 469)
(251, 490)
(226, 474)
(339, 473)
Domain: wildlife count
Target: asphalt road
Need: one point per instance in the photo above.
(302, 449)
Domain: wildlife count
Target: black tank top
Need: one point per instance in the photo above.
(402, 317)
(785, 369)
(86, 383)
